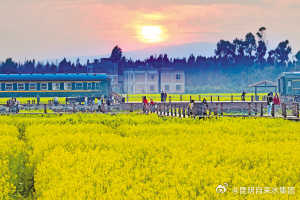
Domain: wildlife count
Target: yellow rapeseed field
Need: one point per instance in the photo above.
(97, 156)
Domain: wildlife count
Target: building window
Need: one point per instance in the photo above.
(32, 86)
(177, 76)
(44, 86)
(89, 86)
(167, 87)
(97, 86)
(178, 87)
(78, 86)
(0, 87)
(152, 76)
(111, 78)
(67, 86)
(8, 86)
(55, 86)
(21, 86)
(152, 88)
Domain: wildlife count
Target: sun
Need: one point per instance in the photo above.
(152, 34)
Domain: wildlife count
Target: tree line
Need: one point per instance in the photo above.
(31, 66)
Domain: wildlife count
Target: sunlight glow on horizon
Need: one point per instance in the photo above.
(152, 34)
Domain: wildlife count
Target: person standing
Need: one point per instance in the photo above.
(38, 100)
(79, 99)
(152, 105)
(145, 104)
(243, 95)
(55, 101)
(99, 104)
(108, 101)
(113, 100)
(11, 104)
(7, 106)
(276, 101)
(93, 98)
(17, 103)
(123, 98)
(86, 100)
(162, 96)
(206, 106)
(191, 106)
(270, 103)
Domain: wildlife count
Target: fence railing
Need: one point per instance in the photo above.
(179, 109)
(188, 98)
(226, 109)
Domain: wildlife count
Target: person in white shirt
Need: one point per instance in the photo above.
(86, 100)
(55, 101)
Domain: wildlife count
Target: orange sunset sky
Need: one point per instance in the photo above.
(49, 29)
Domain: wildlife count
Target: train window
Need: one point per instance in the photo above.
(97, 86)
(289, 84)
(296, 84)
(44, 86)
(21, 86)
(89, 86)
(68, 86)
(32, 86)
(8, 86)
(0, 86)
(78, 86)
(55, 86)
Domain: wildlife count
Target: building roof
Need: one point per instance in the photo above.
(265, 82)
(52, 77)
(139, 69)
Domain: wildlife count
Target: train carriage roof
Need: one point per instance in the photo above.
(290, 74)
(53, 77)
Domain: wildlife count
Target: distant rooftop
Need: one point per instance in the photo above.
(52, 77)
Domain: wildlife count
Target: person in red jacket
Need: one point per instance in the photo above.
(145, 104)
(276, 101)
(152, 105)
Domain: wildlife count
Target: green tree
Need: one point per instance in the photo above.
(9, 66)
(282, 52)
(39, 68)
(116, 53)
(297, 56)
(262, 46)
(250, 44)
(226, 51)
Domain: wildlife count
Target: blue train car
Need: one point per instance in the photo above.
(49, 85)
(289, 85)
